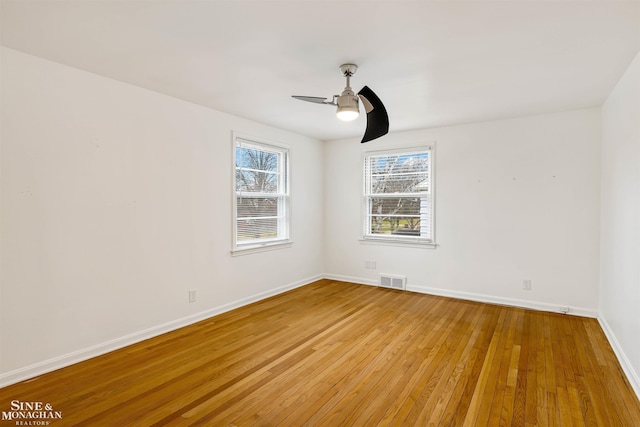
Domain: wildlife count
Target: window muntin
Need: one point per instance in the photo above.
(261, 207)
(398, 195)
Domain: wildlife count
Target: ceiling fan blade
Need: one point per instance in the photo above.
(377, 118)
(314, 99)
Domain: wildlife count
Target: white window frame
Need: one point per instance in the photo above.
(283, 237)
(398, 240)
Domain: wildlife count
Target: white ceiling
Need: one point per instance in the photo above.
(431, 63)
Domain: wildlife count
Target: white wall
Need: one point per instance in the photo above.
(115, 202)
(620, 226)
(515, 199)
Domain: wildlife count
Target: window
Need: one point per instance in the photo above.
(261, 206)
(398, 195)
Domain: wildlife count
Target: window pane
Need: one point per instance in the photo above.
(257, 170)
(405, 173)
(257, 207)
(396, 215)
(253, 229)
(256, 181)
(253, 158)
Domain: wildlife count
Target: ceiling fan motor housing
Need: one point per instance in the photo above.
(348, 105)
(347, 99)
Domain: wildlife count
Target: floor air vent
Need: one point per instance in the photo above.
(393, 282)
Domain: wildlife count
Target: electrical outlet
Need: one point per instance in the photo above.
(526, 285)
(373, 265)
(564, 309)
(192, 295)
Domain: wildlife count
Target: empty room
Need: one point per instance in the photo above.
(320, 213)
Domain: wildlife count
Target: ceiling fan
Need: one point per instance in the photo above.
(348, 106)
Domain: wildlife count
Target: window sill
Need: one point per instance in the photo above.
(398, 242)
(261, 248)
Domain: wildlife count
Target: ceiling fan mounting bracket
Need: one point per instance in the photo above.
(348, 70)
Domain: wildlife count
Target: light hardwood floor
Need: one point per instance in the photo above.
(339, 354)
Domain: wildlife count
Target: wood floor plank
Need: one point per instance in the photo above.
(542, 408)
(457, 410)
(333, 353)
(520, 392)
(531, 402)
(503, 391)
(483, 391)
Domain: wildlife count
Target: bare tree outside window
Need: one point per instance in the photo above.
(256, 170)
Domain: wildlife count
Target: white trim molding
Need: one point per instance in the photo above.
(627, 367)
(351, 279)
(489, 299)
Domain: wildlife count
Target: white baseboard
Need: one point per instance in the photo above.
(68, 359)
(533, 305)
(351, 279)
(631, 373)
(490, 299)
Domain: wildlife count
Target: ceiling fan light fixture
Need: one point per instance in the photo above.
(347, 114)
(348, 108)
